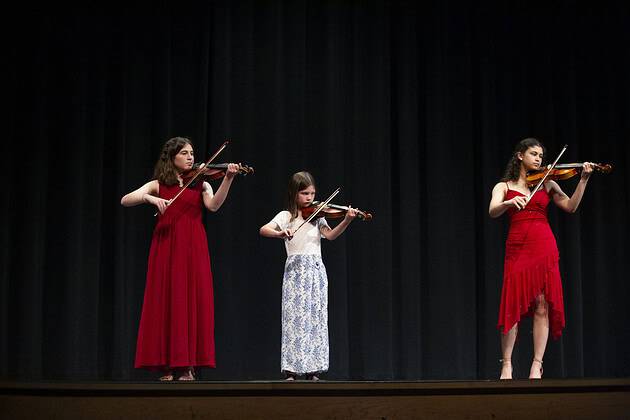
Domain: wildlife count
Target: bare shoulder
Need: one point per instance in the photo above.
(500, 187)
(152, 187)
(207, 188)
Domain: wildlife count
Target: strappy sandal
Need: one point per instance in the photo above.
(541, 369)
(188, 376)
(506, 363)
(167, 377)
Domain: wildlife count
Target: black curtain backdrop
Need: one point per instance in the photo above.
(412, 109)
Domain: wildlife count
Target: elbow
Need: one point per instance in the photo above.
(212, 206)
(569, 208)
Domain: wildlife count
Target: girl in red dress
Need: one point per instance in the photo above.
(531, 278)
(177, 324)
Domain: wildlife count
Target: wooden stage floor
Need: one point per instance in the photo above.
(519, 399)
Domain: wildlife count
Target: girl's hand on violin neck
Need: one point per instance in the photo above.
(232, 170)
(587, 170)
(350, 214)
(519, 202)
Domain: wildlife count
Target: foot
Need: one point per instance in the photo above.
(312, 377)
(536, 371)
(167, 377)
(506, 369)
(189, 375)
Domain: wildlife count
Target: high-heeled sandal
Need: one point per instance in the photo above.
(506, 363)
(541, 369)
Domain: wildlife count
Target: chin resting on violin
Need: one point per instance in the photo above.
(178, 268)
(304, 347)
(532, 283)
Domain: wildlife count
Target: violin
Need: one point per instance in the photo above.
(564, 171)
(333, 211)
(214, 171)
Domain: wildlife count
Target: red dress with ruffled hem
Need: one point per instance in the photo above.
(531, 266)
(177, 322)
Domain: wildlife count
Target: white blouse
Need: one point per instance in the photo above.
(307, 239)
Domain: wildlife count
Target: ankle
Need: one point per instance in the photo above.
(536, 370)
(188, 374)
(506, 368)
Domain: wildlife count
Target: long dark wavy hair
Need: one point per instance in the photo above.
(513, 168)
(298, 182)
(165, 171)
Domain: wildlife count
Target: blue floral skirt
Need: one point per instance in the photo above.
(304, 315)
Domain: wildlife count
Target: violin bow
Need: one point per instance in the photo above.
(550, 168)
(199, 171)
(319, 208)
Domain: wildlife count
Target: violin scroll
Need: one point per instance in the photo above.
(603, 168)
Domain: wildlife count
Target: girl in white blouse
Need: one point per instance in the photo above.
(305, 284)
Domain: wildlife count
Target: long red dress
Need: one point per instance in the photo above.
(177, 322)
(531, 265)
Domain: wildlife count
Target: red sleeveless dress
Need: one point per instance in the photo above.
(531, 265)
(177, 322)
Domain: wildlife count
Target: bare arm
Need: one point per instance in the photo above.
(148, 193)
(271, 230)
(570, 205)
(332, 234)
(498, 204)
(214, 201)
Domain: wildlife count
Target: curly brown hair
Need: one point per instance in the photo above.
(298, 182)
(513, 168)
(165, 171)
